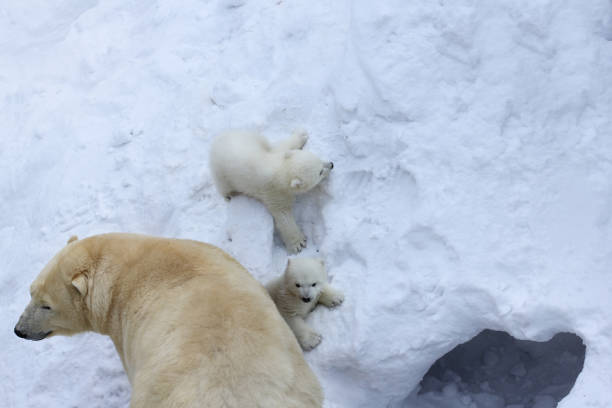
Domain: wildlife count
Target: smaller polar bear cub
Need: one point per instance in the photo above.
(244, 162)
(303, 285)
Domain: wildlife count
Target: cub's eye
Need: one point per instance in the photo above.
(321, 172)
(297, 285)
(314, 284)
(45, 307)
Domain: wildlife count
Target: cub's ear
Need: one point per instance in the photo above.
(296, 182)
(80, 283)
(72, 239)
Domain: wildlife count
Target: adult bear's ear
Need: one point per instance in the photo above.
(288, 154)
(72, 239)
(296, 182)
(80, 283)
(75, 265)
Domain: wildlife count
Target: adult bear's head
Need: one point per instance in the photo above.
(57, 304)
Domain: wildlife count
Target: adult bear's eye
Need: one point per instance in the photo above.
(297, 285)
(45, 307)
(314, 284)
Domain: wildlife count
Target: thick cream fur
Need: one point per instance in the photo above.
(192, 326)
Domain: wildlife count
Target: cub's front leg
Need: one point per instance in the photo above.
(289, 231)
(330, 297)
(307, 337)
(297, 140)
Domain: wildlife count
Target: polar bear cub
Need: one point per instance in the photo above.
(303, 285)
(244, 162)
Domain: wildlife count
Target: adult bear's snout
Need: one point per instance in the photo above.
(19, 333)
(32, 336)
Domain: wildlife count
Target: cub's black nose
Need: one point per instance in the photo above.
(305, 299)
(331, 165)
(19, 333)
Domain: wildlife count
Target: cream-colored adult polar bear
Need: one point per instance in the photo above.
(244, 162)
(192, 326)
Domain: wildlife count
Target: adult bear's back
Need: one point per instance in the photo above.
(206, 332)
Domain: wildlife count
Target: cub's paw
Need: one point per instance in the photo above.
(301, 137)
(336, 299)
(331, 298)
(296, 244)
(310, 340)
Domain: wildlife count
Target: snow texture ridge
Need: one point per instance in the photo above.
(472, 184)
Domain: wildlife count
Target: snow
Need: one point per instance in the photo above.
(471, 190)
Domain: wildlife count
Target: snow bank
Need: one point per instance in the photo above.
(471, 187)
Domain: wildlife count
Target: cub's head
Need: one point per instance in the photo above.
(57, 303)
(305, 277)
(305, 170)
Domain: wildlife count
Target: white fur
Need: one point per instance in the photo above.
(244, 162)
(303, 285)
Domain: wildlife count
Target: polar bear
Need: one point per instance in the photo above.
(243, 162)
(303, 285)
(192, 326)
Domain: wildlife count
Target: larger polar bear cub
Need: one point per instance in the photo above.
(244, 162)
(192, 326)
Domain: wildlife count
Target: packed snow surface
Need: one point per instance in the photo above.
(471, 190)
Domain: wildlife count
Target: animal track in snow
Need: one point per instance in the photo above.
(423, 252)
(346, 252)
(458, 49)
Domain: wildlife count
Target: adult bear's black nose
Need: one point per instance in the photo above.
(19, 333)
(305, 299)
(331, 165)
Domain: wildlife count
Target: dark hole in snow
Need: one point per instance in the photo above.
(495, 370)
